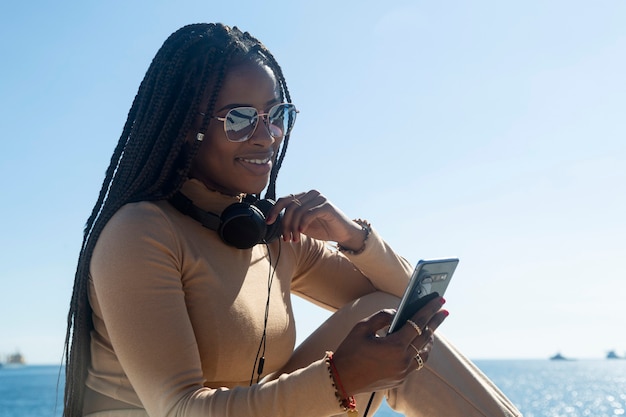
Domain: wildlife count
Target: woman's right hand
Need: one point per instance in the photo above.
(367, 362)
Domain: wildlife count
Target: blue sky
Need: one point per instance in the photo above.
(492, 131)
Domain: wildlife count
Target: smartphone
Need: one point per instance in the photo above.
(430, 278)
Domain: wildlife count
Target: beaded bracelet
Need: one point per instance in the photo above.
(347, 402)
(367, 228)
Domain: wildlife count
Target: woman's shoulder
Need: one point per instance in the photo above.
(139, 211)
(140, 217)
(136, 227)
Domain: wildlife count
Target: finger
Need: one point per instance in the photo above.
(315, 212)
(290, 220)
(298, 209)
(377, 321)
(424, 355)
(289, 205)
(295, 199)
(281, 204)
(436, 321)
(427, 338)
(414, 328)
(420, 361)
(408, 334)
(296, 214)
(425, 314)
(429, 345)
(424, 345)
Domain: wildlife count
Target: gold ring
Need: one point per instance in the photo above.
(420, 361)
(417, 351)
(295, 200)
(415, 326)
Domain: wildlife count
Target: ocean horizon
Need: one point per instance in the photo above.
(538, 387)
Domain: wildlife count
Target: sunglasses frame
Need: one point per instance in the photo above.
(259, 115)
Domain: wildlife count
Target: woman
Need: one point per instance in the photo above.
(181, 303)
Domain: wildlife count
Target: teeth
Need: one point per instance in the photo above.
(256, 161)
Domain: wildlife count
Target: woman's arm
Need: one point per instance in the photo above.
(136, 272)
(330, 278)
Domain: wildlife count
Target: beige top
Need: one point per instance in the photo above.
(178, 315)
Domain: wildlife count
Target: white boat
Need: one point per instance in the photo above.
(15, 359)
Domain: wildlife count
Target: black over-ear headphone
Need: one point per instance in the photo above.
(241, 225)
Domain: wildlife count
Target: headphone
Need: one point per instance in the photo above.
(241, 225)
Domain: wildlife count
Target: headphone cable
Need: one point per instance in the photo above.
(259, 361)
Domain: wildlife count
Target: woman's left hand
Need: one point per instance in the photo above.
(312, 214)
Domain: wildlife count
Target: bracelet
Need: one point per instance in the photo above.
(347, 402)
(367, 228)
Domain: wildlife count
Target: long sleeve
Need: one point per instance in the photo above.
(179, 316)
(332, 279)
(162, 323)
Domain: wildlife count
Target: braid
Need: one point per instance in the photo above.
(284, 95)
(271, 189)
(154, 156)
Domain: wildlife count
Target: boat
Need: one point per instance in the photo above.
(15, 359)
(559, 357)
(613, 355)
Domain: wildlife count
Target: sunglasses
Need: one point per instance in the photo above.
(240, 123)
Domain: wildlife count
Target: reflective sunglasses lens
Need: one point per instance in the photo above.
(240, 123)
(281, 119)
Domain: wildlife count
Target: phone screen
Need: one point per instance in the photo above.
(430, 278)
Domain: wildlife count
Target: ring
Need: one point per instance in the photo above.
(415, 326)
(417, 351)
(420, 361)
(295, 200)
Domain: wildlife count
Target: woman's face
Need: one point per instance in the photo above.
(239, 167)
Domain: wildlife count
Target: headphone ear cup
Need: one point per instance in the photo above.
(275, 229)
(242, 225)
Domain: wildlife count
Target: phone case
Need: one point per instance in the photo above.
(430, 278)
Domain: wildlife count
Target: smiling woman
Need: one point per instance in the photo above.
(237, 157)
(182, 295)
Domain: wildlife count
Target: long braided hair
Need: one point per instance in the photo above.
(152, 158)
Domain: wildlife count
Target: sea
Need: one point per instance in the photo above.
(539, 388)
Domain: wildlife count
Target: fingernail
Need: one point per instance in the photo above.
(442, 300)
(446, 313)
